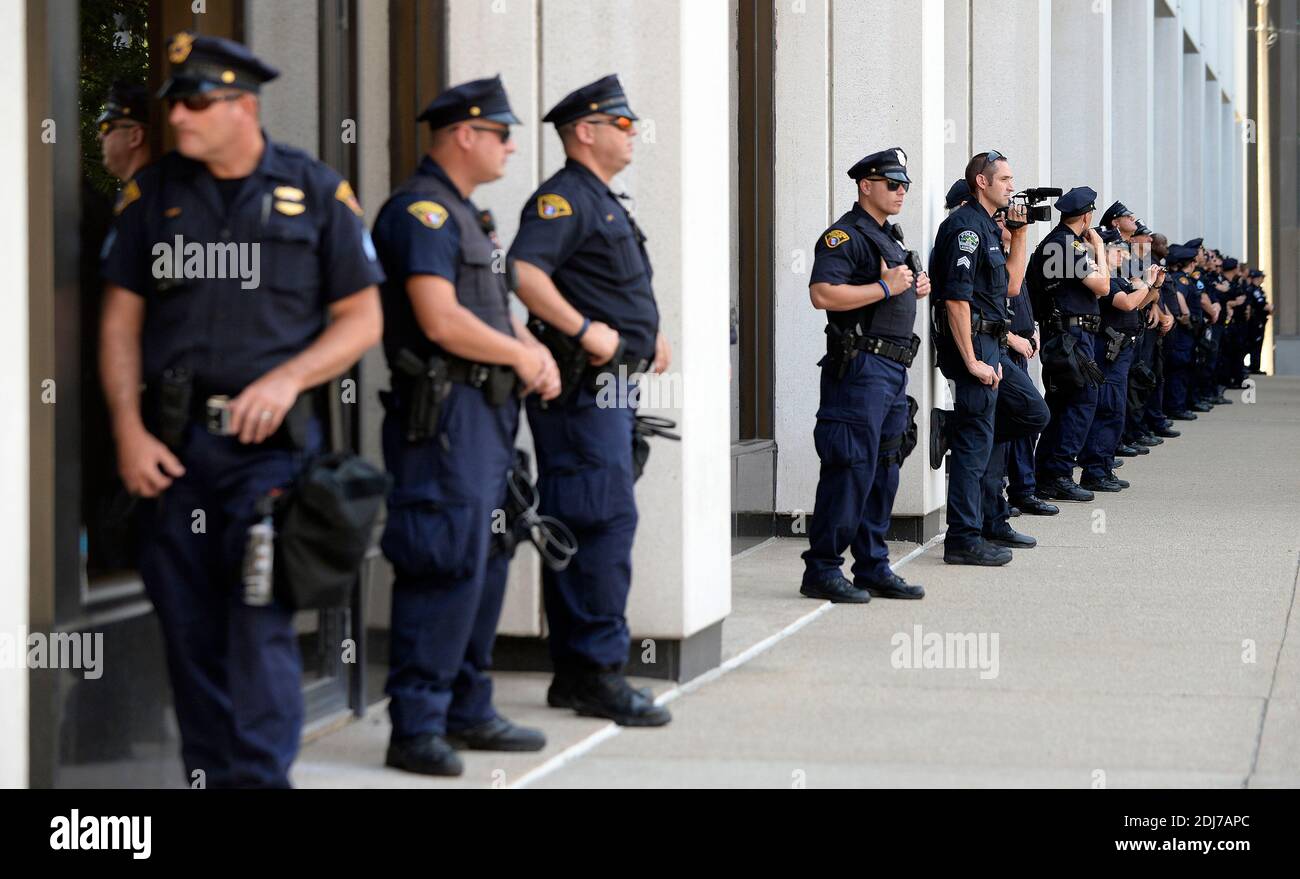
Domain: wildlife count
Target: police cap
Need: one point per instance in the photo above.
(476, 99)
(1077, 201)
(126, 100)
(958, 193)
(605, 95)
(890, 164)
(1114, 212)
(202, 63)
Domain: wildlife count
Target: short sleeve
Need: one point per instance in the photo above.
(347, 254)
(844, 256)
(417, 236)
(124, 257)
(552, 226)
(961, 258)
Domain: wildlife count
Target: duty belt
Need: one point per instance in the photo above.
(882, 347)
(1089, 323)
(992, 327)
(476, 375)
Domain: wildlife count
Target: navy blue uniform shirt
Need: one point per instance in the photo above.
(576, 230)
(413, 242)
(312, 250)
(1022, 313)
(844, 254)
(967, 262)
(1128, 322)
(1060, 263)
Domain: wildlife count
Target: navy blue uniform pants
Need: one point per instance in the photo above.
(1072, 414)
(584, 465)
(986, 420)
(1108, 422)
(447, 589)
(1180, 346)
(1020, 461)
(235, 669)
(855, 488)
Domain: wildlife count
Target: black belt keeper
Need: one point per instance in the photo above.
(496, 381)
(882, 347)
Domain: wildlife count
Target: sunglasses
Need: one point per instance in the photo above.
(107, 128)
(622, 123)
(503, 133)
(198, 102)
(891, 185)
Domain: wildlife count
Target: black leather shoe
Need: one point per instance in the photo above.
(1198, 406)
(1116, 463)
(1123, 483)
(560, 692)
(1182, 416)
(1062, 488)
(1166, 432)
(1013, 512)
(982, 553)
(1128, 451)
(1106, 483)
(427, 755)
(838, 590)
(1011, 539)
(607, 694)
(1221, 401)
(497, 734)
(938, 437)
(1148, 440)
(892, 586)
(1036, 506)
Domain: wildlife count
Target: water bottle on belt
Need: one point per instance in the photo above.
(259, 556)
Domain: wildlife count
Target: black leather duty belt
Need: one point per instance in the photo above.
(882, 347)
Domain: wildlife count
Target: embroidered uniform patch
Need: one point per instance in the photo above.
(551, 206)
(968, 241)
(345, 194)
(836, 237)
(129, 193)
(430, 213)
(964, 261)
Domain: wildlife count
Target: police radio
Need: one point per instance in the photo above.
(913, 259)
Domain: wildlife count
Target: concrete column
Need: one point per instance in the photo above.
(803, 208)
(1193, 182)
(14, 392)
(1167, 126)
(906, 109)
(957, 104)
(1132, 119)
(1081, 96)
(1229, 224)
(680, 181)
(290, 105)
(1212, 172)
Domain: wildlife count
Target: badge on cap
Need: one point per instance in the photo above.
(179, 50)
(551, 206)
(430, 213)
(345, 194)
(836, 237)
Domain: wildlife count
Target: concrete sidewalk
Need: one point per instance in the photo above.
(1143, 643)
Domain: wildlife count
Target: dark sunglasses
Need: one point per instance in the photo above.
(503, 133)
(991, 158)
(198, 102)
(107, 128)
(891, 185)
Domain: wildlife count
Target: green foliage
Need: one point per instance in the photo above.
(114, 45)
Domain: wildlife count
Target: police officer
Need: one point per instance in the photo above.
(124, 130)
(585, 276)
(995, 402)
(1152, 417)
(456, 357)
(1260, 309)
(1069, 267)
(1121, 322)
(1180, 345)
(1121, 219)
(861, 279)
(194, 337)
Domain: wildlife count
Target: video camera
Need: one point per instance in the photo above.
(1032, 200)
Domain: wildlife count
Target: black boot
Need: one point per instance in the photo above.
(892, 586)
(497, 734)
(1036, 506)
(1010, 538)
(982, 553)
(837, 589)
(606, 693)
(428, 754)
(1062, 488)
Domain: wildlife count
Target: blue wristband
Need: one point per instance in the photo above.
(885, 287)
(586, 322)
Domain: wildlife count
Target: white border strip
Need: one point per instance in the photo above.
(609, 731)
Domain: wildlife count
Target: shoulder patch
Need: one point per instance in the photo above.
(129, 193)
(550, 206)
(968, 240)
(835, 238)
(430, 213)
(1182, 279)
(345, 194)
